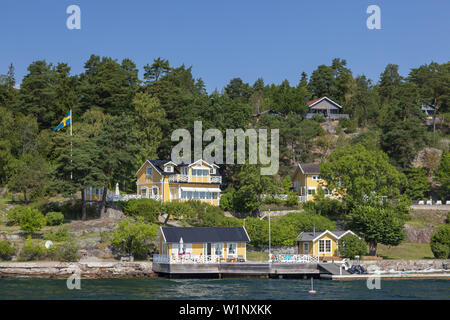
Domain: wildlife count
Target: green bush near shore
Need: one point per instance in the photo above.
(440, 242)
(54, 218)
(351, 246)
(6, 250)
(67, 252)
(31, 251)
(58, 235)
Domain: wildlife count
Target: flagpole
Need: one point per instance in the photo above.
(71, 120)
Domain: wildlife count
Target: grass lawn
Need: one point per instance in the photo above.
(257, 256)
(407, 251)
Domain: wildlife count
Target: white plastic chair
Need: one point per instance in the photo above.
(421, 202)
(439, 202)
(429, 202)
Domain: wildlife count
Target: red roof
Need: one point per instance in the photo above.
(312, 101)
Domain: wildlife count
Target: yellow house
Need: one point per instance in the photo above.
(306, 180)
(321, 243)
(166, 181)
(203, 244)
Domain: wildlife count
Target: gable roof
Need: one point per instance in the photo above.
(311, 236)
(309, 168)
(159, 166)
(314, 102)
(204, 234)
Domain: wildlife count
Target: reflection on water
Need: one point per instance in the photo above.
(225, 289)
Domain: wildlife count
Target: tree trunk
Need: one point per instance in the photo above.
(83, 205)
(102, 208)
(372, 248)
(167, 218)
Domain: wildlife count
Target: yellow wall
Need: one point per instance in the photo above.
(334, 247)
(299, 177)
(164, 187)
(197, 249)
(310, 247)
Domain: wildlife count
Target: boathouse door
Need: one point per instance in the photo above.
(207, 249)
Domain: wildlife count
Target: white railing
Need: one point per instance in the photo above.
(294, 258)
(186, 258)
(186, 178)
(122, 197)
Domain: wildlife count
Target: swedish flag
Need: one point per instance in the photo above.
(65, 122)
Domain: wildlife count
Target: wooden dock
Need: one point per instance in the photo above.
(246, 269)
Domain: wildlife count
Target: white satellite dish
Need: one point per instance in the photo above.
(48, 244)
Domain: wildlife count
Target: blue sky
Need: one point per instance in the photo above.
(275, 40)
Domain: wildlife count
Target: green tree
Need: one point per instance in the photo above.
(132, 237)
(418, 184)
(440, 242)
(377, 224)
(29, 175)
(150, 119)
(442, 176)
(31, 220)
(117, 145)
(351, 246)
(358, 173)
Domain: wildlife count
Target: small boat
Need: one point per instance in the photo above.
(312, 291)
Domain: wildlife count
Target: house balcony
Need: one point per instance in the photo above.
(330, 116)
(187, 179)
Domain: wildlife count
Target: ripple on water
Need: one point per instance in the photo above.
(223, 289)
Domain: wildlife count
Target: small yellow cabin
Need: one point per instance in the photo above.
(202, 244)
(167, 181)
(321, 243)
(306, 180)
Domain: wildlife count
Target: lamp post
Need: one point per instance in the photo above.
(270, 256)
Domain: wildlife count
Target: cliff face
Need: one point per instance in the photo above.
(49, 269)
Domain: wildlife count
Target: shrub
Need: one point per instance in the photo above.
(440, 242)
(149, 209)
(58, 235)
(226, 200)
(31, 220)
(54, 218)
(31, 251)
(272, 200)
(132, 237)
(351, 246)
(318, 117)
(6, 250)
(292, 199)
(68, 252)
(13, 216)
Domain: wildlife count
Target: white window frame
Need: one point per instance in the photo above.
(213, 249)
(325, 246)
(147, 174)
(305, 245)
(312, 189)
(235, 249)
(316, 178)
(144, 193)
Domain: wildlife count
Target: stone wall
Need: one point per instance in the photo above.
(49, 269)
(404, 265)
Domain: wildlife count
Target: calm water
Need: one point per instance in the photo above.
(261, 289)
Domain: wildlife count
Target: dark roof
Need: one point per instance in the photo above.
(310, 168)
(159, 164)
(309, 235)
(205, 234)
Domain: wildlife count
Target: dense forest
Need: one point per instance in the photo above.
(120, 120)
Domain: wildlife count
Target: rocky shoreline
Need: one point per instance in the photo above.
(116, 269)
(95, 269)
